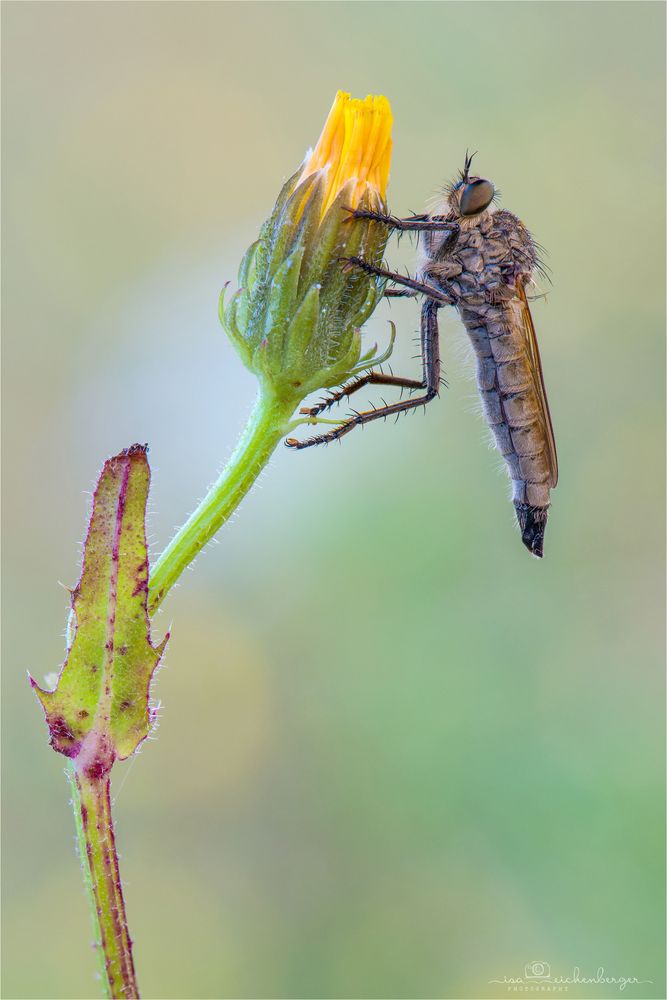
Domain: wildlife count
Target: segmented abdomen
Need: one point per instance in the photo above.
(509, 396)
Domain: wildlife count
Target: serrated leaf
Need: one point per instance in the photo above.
(100, 709)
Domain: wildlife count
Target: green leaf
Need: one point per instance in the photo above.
(100, 709)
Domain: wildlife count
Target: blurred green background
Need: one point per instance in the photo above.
(397, 756)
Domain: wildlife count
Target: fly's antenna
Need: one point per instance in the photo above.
(466, 166)
(463, 175)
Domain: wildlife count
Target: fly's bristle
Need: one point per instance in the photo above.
(532, 521)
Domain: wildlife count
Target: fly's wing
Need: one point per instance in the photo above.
(536, 367)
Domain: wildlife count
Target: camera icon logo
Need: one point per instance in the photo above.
(537, 970)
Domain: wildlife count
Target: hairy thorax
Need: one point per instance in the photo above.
(478, 268)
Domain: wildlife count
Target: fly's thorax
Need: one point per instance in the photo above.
(492, 251)
(435, 246)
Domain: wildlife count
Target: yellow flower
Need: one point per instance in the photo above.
(297, 316)
(355, 144)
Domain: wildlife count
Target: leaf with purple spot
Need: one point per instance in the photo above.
(100, 709)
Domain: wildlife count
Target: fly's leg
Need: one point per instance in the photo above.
(415, 224)
(372, 378)
(430, 383)
(399, 279)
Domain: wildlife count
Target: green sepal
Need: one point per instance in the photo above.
(234, 318)
(300, 333)
(299, 218)
(365, 310)
(340, 372)
(334, 229)
(282, 305)
(247, 267)
(269, 230)
(100, 708)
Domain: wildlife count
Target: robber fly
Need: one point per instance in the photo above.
(479, 259)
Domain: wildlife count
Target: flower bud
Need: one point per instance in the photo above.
(296, 318)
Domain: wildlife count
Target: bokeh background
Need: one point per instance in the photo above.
(397, 757)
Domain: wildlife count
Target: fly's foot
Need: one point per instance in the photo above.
(297, 445)
(359, 264)
(352, 263)
(324, 404)
(335, 434)
(364, 213)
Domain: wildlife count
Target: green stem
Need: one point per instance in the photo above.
(97, 847)
(268, 423)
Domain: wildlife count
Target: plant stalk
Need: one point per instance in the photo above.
(97, 847)
(267, 424)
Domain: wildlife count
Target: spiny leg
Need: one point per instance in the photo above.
(430, 382)
(372, 378)
(399, 279)
(414, 224)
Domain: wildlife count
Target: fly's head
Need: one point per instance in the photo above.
(468, 196)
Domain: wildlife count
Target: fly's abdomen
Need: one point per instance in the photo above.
(512, 409)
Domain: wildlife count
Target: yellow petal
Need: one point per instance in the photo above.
(355, 144)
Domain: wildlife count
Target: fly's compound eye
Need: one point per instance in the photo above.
(477, 195)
